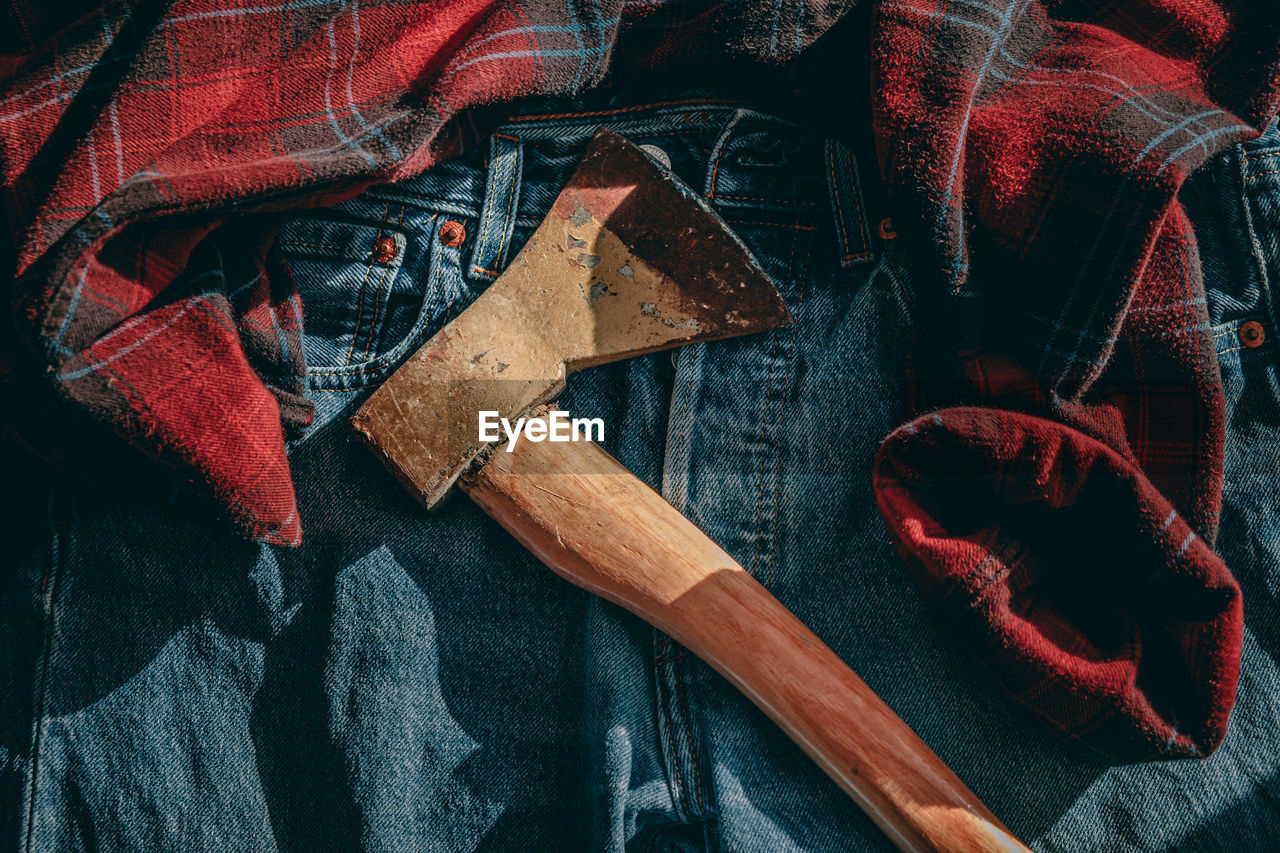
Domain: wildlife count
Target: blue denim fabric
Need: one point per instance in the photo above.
(418, 682)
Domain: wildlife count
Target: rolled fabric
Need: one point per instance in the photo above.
(1057, 563)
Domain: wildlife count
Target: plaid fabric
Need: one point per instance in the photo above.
(1090, 598)
(1036, 150)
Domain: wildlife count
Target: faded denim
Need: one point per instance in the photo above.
(413, 682)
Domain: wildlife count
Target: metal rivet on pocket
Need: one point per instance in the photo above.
(1253, 334)
(452, 233)
(887, 231)
(657, 154)
(385, 249)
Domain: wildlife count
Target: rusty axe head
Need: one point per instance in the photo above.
(627, 262)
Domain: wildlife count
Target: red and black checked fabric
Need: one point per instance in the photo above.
(1082, 590)
(1036, 150)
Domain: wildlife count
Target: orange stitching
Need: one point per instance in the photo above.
(377, 304)
(678, 655)
(693, 749)
(355, 333)
(835, 191)
(397, 190)
(764, 200)
(1227, 332)
(796, 225)
(1250, 159)
(675, 765)
(311, 245)
(861, 256)
(715, 167)
(488, 209)
(361, 368)
(1253, 178)
(377, 307)
(478, 268)
(856, 188)
(684, 131)
(1225, 351)
(434, 285)
(517, 170)
(620, 110)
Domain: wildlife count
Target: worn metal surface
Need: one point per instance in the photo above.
(626, 262)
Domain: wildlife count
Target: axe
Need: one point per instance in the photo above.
(630, 262)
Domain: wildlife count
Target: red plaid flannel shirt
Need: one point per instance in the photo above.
(1034, 149)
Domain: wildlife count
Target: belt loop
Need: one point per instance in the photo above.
(845, 188)
(501, 198)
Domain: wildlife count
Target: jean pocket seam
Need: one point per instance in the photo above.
(355, 333)
(373, 371)
(40, 687)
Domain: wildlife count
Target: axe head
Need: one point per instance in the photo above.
(628, 261)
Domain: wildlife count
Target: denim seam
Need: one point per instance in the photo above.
(513, 192)
(674, 488)
(517, 175)
(497, 170)
(1259, 256)
(764, 427)
(583, 117)
(311, 245)
(728, 217)
(686, 724)
(667, 676)
(800, 282)
(854, 187)
(900, 280)
(430, 202)
(692, 130)
(843, 232)
(667, 654)
(662, 677)
(40, 689)
(726, 133)
(355, 333)
(488, 212)
(792, 202)
(765, 443)
(440, 256)
(377, 301)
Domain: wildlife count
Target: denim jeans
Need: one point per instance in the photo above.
(406, 681)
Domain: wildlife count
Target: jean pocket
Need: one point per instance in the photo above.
(348, 273)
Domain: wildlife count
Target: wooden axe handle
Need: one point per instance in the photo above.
(597, 525)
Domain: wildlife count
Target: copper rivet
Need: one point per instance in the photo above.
(1253, 334)
(385, 249)
(887, 231)
(452, 233)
